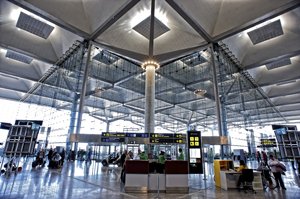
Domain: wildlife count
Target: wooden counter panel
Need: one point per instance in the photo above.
(176, 167)
(137, 166)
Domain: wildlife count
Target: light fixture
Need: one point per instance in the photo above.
(99, 90)
(150, 63)
(200, 92)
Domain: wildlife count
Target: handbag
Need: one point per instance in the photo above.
(282, 166)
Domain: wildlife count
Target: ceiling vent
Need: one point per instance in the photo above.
(105, 57)
(144, 28)
(194, 61)
(34, 26)
(9, 76)
(278, 64)
(18, 57)
(286, 82)
(266, 32)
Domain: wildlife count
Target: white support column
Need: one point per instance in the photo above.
(82, 94)
(149, 98)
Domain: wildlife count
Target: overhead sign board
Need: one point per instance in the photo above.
(166, 138)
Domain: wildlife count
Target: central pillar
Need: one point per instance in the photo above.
(150, 68)
(149, 99)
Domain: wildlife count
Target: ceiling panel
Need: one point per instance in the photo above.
(116, 84)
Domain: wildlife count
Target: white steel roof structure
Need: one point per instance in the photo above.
(262, 37)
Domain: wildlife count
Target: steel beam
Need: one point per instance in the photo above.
(199, 29)
(114, 17)
(151, 37)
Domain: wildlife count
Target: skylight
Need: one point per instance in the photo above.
(18, 57)
(144, 28)
(266, 32)
(34, 26)
(278, 64)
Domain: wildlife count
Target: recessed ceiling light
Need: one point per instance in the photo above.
(2, 50)
(200, 92)
(14, 14)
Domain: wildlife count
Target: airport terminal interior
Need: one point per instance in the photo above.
(149, 99)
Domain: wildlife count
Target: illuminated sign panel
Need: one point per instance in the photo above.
(195, 156)
(268, 142)
(167, 138)
(194, 139)
(137, 135)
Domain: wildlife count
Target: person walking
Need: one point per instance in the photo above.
(277, 169)
(258, 157)
(264, 157)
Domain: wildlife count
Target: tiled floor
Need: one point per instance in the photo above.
(91, 181)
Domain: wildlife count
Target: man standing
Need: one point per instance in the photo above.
(277, 169)
(181, 155)
(143, 156)
(123, 157)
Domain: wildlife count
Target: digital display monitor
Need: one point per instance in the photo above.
(161, 135)
(4, 125)
(114, 134)
(138, 135)
(113, 140)
(268, 142)
(280, 131)
(195, 153)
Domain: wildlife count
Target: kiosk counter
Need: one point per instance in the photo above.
(142, 176)
(176, 172)
(136, 175)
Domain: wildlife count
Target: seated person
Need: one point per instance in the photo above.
(9, 165)
(40, 157)
(241, 178)
(55, 161)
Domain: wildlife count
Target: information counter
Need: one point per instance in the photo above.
(229, 180)
(136, 176)
(142, 176)
(177, 180)
(221, 165)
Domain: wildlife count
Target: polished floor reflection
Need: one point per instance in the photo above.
(91, 180)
